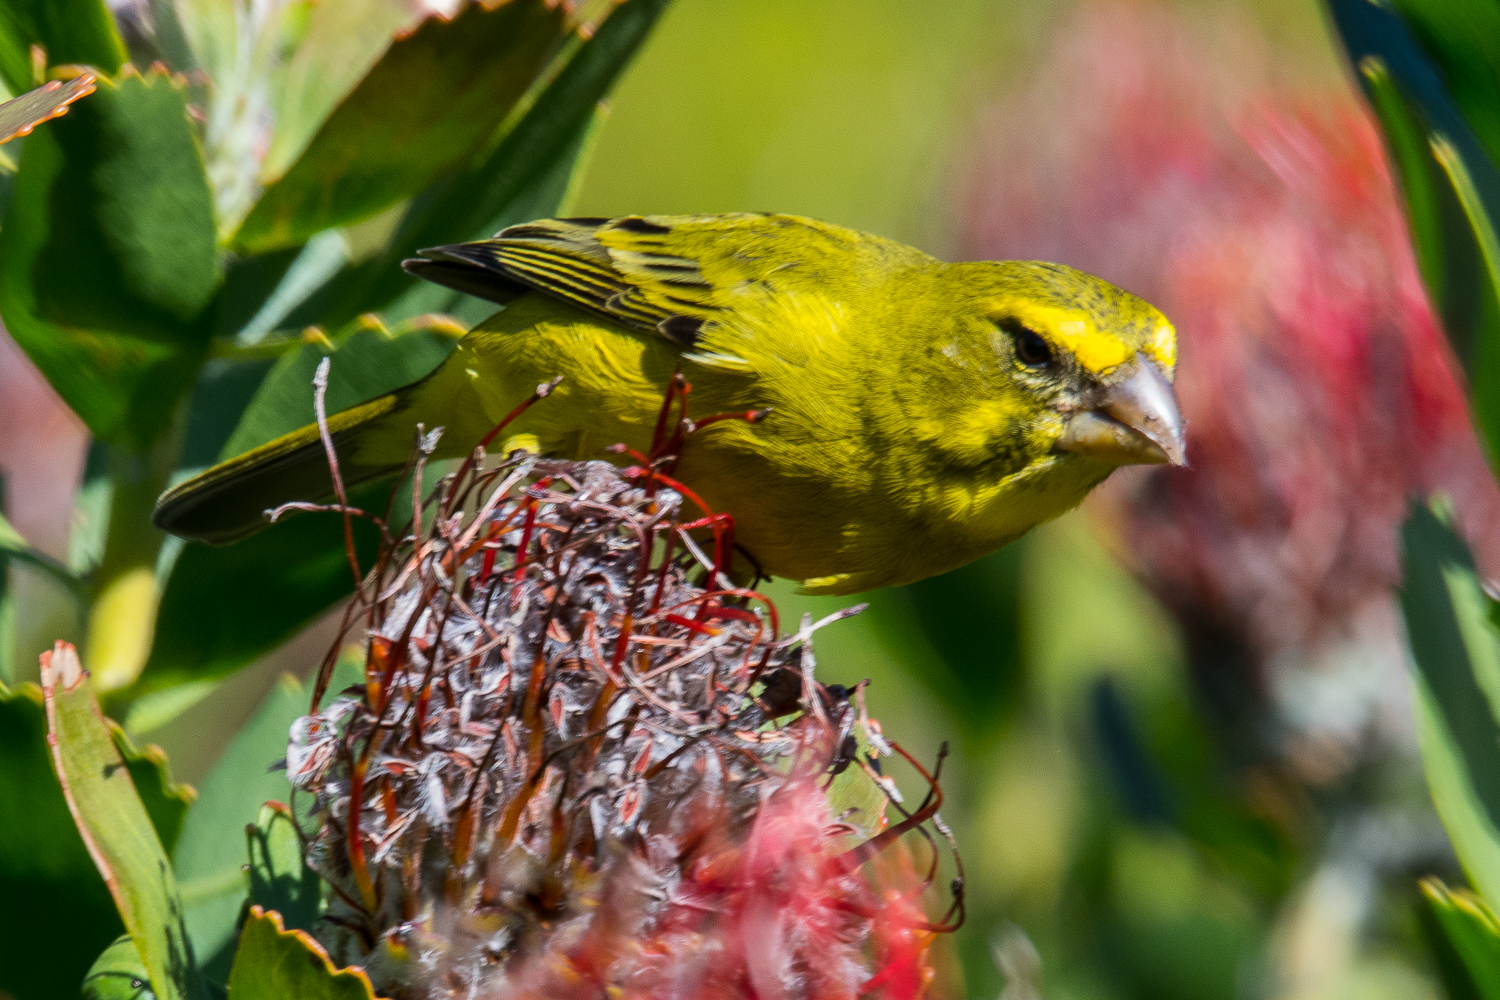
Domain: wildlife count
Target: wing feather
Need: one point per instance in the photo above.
(675, 276)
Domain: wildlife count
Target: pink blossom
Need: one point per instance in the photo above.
(1318, 389)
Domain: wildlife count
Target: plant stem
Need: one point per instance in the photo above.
(122, 612)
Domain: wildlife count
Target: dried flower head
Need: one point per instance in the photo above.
(584, 762)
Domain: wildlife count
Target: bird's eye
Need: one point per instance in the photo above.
(1032, 350)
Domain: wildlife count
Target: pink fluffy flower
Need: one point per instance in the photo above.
(1315, 380)
(778, 916)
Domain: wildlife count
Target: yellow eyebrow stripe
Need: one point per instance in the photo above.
(1095, 350)
(1163, 347)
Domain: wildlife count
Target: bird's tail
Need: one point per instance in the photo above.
(229, 501)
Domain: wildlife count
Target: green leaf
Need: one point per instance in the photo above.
(1457, 687)
(470, 204)
(116, 826)
(71, 31)
(1484, 339)
(1430, 205)
(210, 857)
(213, 36)
(44, 862)
(284, 65)
(241, 50)
(1462, 38)
(548, 194)
(223, 391)
(224, 607)
(524, 177)
(24, 113)
(305, 271)
(274, 964)
(119, 974)
(162, 38)
(14, 546)
(429, 104)
(336, 44)
(7, 622)
(1435, 92)
(280, 879)
(166, 801)
(1472, 930)
(368, 360)
(107, 259)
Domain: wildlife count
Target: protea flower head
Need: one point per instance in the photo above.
(585, 763)
(1316, 383)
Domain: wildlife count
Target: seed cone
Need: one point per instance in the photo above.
(583, 763)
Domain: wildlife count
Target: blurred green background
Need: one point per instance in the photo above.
(1119, 842)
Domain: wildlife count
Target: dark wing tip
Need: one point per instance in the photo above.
(682, 330)
(480, 253)
(464, 268)
(644, 227)
(188, 514)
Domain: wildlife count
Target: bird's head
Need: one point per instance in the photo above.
(1046, 368)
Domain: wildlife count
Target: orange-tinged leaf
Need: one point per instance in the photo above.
(115, 825)
(43, 861)
(20, 116)
(273, 963)
(107, 259)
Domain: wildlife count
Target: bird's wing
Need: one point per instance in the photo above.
(669, 275)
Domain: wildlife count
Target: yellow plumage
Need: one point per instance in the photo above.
(923, 413)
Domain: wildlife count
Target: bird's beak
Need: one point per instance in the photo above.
(1136, 421)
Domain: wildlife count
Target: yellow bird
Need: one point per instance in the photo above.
(922, 413)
